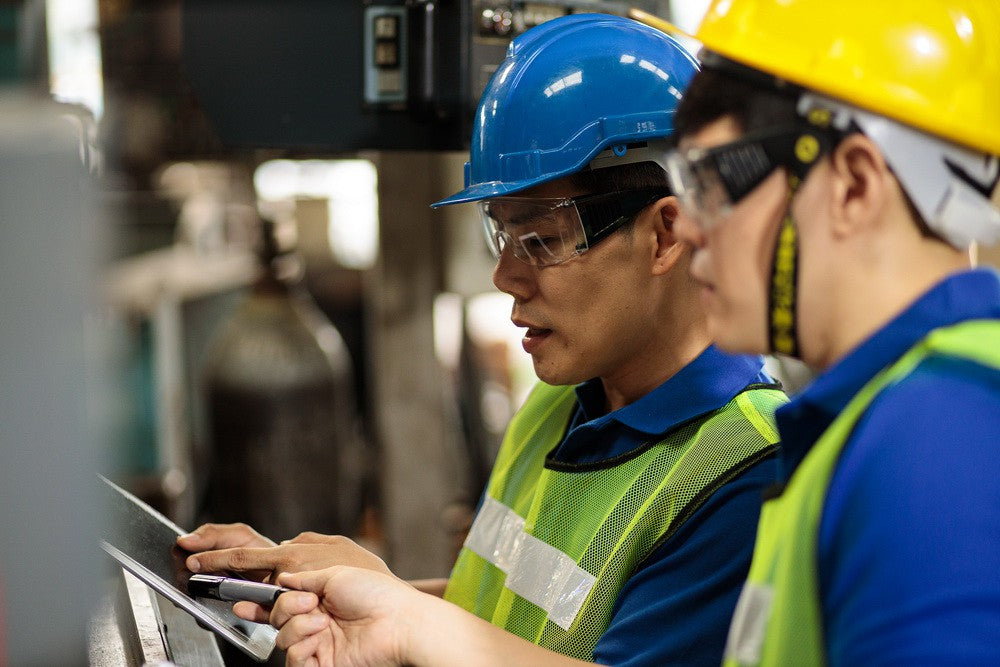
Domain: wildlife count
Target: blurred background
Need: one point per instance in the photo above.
(223, 286)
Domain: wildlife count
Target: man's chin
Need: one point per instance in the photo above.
(555, 376)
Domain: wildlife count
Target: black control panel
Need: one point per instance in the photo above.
(322, 76)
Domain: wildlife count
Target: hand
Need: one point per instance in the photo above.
(308, 551)
(346, 617)
(350, 618)
(212, 536)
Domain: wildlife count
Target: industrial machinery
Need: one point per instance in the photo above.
(343, 76)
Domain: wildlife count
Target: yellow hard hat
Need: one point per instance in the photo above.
(930, 64)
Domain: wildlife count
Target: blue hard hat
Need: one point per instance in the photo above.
(569, 89)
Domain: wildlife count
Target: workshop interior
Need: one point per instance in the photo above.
(224, 289)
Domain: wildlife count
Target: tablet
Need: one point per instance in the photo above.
(143, 541)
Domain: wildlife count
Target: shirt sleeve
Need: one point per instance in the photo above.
(908, 547)
(676, 608)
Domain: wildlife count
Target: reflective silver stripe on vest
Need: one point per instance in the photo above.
(749, 625)
(536, 571)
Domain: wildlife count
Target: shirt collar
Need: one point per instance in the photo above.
(968, 295)
(710, 381)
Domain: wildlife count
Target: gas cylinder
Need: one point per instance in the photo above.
(287, 453)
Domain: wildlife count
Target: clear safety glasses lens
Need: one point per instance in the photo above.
(544, 231)
(540, 232)
(709, 182)
(698, 186)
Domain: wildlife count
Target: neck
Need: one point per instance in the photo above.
(665, 353)
(878, 287)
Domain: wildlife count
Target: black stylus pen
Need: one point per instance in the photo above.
(233, 590)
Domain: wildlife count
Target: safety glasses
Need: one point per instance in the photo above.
(710, 181)
(546, 231)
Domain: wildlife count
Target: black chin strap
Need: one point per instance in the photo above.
(783, 335)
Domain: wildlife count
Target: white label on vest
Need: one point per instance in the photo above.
(536, 571)
(746, 633)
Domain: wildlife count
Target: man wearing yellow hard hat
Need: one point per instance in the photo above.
(836, 161)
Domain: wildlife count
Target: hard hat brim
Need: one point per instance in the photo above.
(481, 191)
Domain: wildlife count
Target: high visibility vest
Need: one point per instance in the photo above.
(778, 619)
(552, 545)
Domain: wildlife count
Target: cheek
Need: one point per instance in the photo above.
(741, 258)
(601, 306)
(743, 264)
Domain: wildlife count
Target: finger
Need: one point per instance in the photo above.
(222, 536)
(300, 628)
(252, 611)
(314, 581)
(326, 652)
(199, 539)
(309, 537)
(303, 653)
(238, 560)
(289, 605)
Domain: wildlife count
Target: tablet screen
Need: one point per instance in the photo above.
(144, 542)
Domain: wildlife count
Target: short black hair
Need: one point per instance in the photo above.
(622, 178)
(714, 93)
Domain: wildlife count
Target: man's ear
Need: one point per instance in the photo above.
(862, 185)
(668, 249)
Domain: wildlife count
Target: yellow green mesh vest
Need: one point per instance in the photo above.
(551, 547)
(778, 619)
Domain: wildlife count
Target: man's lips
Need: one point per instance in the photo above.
(521, 323)
(534, 335)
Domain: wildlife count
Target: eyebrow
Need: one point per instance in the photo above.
(526, 218)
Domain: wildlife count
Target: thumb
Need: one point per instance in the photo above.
(314, 580)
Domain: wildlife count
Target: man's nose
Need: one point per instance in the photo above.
(513, 276)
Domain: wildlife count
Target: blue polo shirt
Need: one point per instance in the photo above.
(909, 543)
(676, 608)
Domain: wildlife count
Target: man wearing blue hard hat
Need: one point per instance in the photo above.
(623, 468)
(618, 521)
